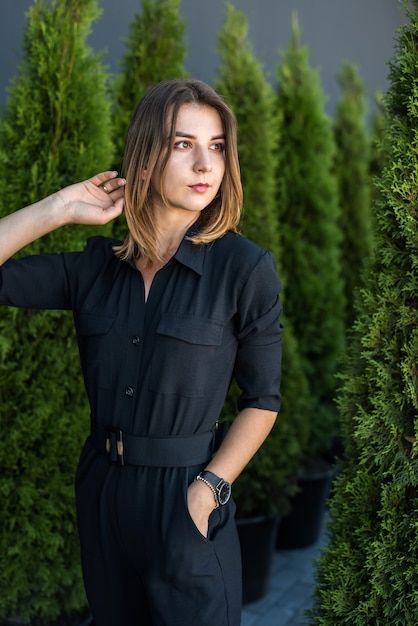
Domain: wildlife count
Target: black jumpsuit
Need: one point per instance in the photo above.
(156, 375)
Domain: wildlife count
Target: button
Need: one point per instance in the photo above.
(129, 391)
(136, 340)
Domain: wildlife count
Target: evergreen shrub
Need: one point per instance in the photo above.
(352, 170)
(308, 215)
(265, 484)
(368, 573)
(155, 51)
(54, 130)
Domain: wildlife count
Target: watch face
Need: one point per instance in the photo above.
(224, 493)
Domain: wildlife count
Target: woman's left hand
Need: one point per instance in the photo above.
(201, 503)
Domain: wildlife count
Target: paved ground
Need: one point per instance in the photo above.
(290, 592)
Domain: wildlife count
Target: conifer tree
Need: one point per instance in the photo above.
(155, 51)
(368, 572)
(377, 126)
(55, 130)
(243, 83)
(377, 157)
(351, 165)
(308, 215)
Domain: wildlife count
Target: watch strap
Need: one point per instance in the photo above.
(212, 478)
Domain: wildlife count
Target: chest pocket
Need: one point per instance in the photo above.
(186, 351)
(96, 349)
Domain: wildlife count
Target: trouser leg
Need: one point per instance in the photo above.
(192, 579)
(144, 561)
(115, 594)
(113, 583)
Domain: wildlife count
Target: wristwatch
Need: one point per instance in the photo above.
(220, 488)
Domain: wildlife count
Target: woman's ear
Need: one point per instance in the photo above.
(144, 173)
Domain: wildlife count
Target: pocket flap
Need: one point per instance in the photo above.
(191, 329)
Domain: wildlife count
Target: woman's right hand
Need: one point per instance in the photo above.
(95, 201)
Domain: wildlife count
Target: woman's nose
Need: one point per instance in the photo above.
(203, 161)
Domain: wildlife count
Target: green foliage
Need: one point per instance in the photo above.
(377, 156)
(56, 101)
(265, 484)
(377, 126)
(242, 81)
(308, 215)
(351, 166)
(55, 129)
(368, 573)
(155, 51)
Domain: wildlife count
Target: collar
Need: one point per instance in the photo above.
(187, 254)
(191, 255)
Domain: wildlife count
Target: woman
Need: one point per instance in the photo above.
(164, 321)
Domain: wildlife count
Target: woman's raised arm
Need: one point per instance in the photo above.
(95, 201)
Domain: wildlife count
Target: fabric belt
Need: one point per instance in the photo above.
(172, 451)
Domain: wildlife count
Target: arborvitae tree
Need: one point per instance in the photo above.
(351, 165)
(377, 156)
(308, 215)
(265, 484)
(368, 572)
(243, 83)
(377, 127)
(155, 51)
(55, 130)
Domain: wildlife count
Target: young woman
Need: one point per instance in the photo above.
(164, 320)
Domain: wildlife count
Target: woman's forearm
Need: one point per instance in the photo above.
(245, 436)
(88, 202)
(28, 224)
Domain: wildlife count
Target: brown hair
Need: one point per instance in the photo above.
(147, 139)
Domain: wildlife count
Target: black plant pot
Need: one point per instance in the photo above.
(257, 537)
(301, 527)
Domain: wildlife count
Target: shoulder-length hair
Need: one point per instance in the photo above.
(146, 142)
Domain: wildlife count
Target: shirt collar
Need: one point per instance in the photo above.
(190, 254)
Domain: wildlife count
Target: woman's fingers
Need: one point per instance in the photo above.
(102, 177)
(108, 182)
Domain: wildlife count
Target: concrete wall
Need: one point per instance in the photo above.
(361, 31)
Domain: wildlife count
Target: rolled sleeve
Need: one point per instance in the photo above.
(36, 282)
(259, 356)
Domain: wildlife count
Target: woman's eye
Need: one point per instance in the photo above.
(218, 147)
(182, 144)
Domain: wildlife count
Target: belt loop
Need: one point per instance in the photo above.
(114, 439)
(219, 431)
(119, 446)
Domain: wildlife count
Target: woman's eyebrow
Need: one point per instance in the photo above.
(179, 133)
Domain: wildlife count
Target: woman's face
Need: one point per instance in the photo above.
(196, 165)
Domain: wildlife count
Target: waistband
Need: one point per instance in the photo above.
(173, 451)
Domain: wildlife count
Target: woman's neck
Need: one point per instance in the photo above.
(171, 228)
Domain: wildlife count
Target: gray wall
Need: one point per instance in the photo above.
(361, 31)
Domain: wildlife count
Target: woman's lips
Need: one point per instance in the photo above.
(200, 187)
